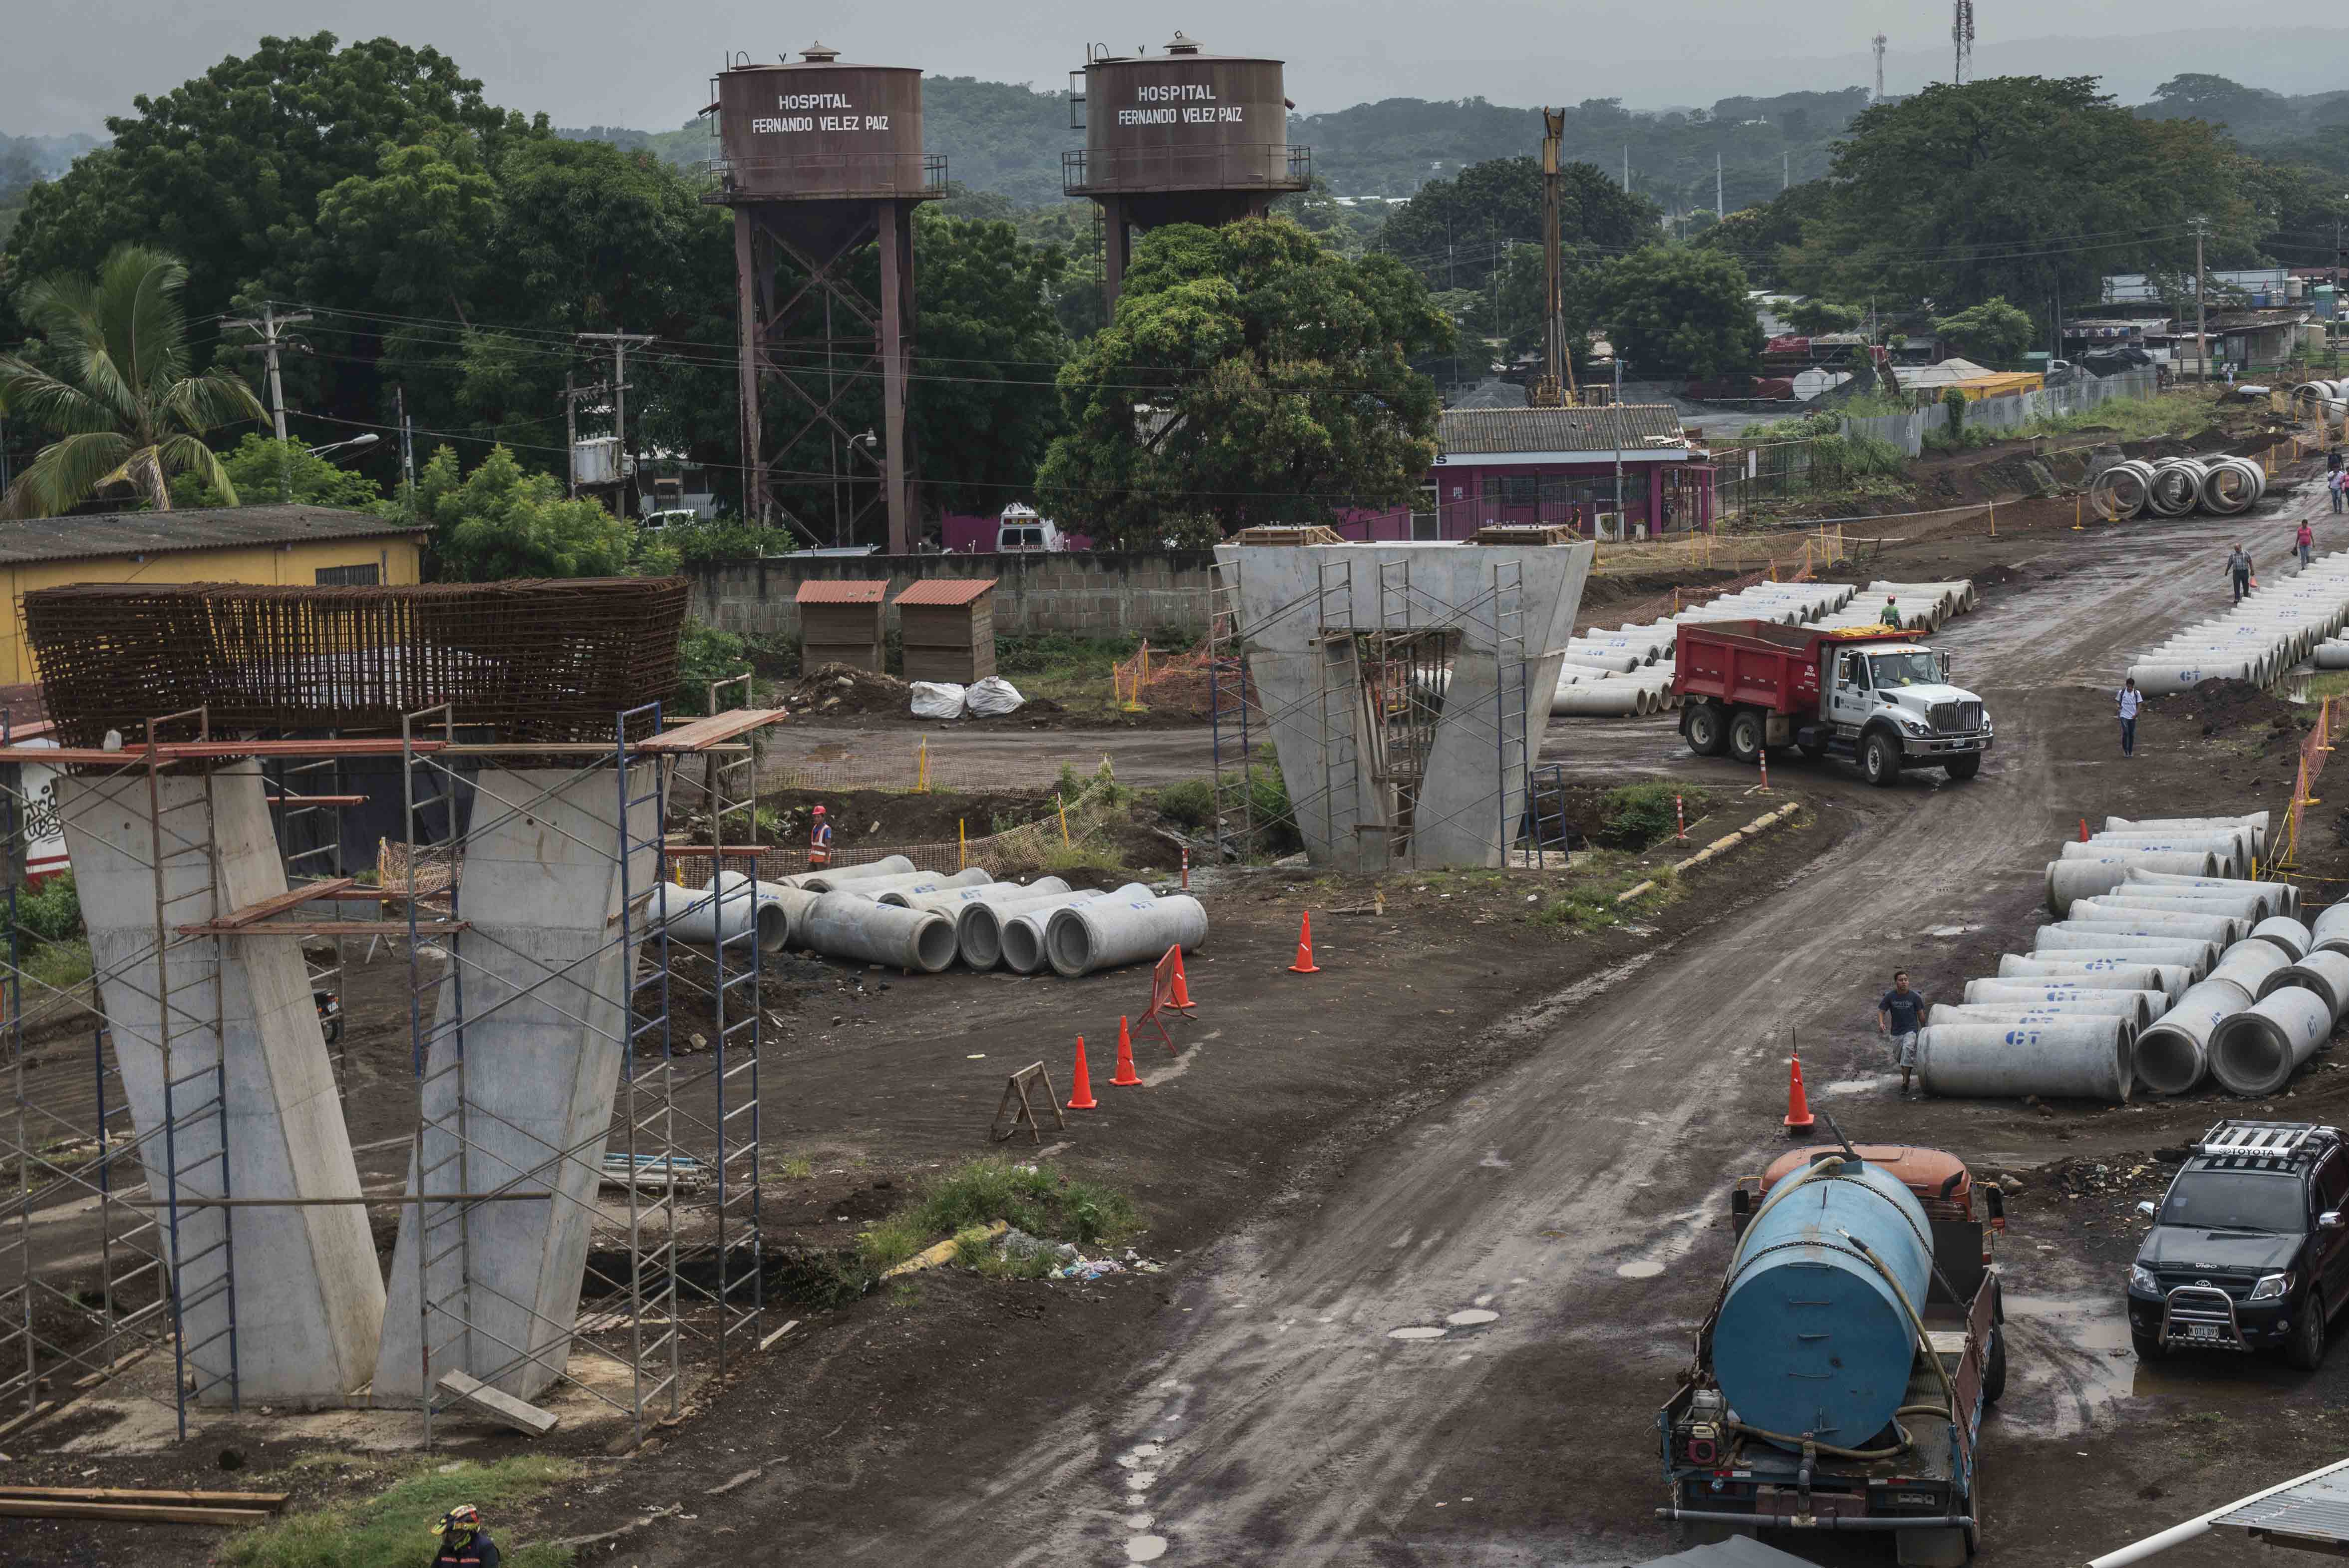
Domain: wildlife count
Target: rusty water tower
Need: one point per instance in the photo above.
(819, 159)
(1181, 137)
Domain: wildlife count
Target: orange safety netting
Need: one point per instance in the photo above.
(2313, 751)
(1173, 683)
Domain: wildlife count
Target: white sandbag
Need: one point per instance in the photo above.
(991, 697)
(937, 699)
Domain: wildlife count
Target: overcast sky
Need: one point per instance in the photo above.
(65, 68)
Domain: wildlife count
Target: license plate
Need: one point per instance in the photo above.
(2202, 1331)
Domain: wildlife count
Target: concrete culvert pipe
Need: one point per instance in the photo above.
(908, 881)
(2120, 491)
(2332, 655)
(2073, 879)
(2257, 821)
(2228, 843)
(2163, 679)
(2326, 973)
(978, 925)
(2220, 932)
(2256, 1051)
(1110, 932)
(2330, 929)
(843, 925)
(2222, 929)
(1616, 662)
(835, 876)
(2249, 964)
(2285, 935)
(728, 911)
(2052, 941)
(2118, 971)
(1996, 987)
(2288, 892)
(2140, 1007)
(948, 901)
(2075, 1058)
(2251, 908)
(2175, 1053)
(1022, 935)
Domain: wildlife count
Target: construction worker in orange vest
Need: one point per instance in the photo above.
(464, 1543)
(819, 842)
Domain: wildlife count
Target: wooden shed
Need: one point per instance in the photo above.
(949, 626)
(840, 623)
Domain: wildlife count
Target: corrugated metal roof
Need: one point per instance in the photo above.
(2316, 1509)
(158, 532)
(946, 591)
(1466, 431)
(843, 591)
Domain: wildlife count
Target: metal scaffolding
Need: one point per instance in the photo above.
(679, 1286)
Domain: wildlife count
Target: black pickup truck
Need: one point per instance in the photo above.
(2250, 1247)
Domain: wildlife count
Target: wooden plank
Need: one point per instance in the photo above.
(268, 1499)
(722, 849)
(132, 1512)
(717, 728)
(204, 750)
(521, 1416)
(329, 928)
(315, 799)
(278, 903)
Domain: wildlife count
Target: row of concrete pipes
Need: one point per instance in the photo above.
(2164, 966)
(2321, 402)
(2273, 627)
(2175, 486)
(886, 912)
(1629, 672)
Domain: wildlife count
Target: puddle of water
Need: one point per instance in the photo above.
(1951, 930)
(1145, 1548)
(1138, 1522)
(1849, 1087)
(1472, 1317)
(1638, 1270)
(1414, 1333)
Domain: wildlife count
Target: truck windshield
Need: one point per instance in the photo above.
(1905, 669)
(2235, 1201)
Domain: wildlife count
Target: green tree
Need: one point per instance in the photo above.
(424, 224)
(1251, 376)
(2197, 95)
(2020, 186)
(1762, 237)
(1818, 316)
(111, 381)
(989, 337)
(264, 470)
(1456, 232)
(1993, 333)
(1678, 311)
(500, 521)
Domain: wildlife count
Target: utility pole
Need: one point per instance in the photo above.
(1627, 166)
(271, 327)
(1556, 389)
(406, 442)
(2201, 291)
(619, 342)
(1787, 170)
(1615, 419)
(1720, 209)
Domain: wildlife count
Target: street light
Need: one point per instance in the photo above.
(368, 439)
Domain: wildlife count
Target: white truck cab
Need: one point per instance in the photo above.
(1894, 705)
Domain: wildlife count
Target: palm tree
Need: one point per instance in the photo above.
(121, 400)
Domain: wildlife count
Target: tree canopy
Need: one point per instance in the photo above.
(1456, 231)
(1678, 311)
(502, 521)
(1251, 376)
(263, 470)
(1993, 333)
(110, 379)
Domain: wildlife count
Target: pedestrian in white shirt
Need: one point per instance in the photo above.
(2130, 698)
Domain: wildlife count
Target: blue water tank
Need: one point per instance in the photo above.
(1810, 1339)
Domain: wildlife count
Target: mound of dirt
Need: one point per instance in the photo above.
(844, 688)
(2218, 707)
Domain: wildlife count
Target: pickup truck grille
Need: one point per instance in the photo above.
(2238, 1287)
(1956, 718)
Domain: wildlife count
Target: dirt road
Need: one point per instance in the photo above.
(1454, 1358)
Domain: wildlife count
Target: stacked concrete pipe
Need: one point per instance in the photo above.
(2058, 942)
(2326, 973)
(846, 925)
(2256, 1051)
(725, 911)
(2173, 1055)
(2109, 972)
(2288, 893)
(2285, 935)
(950, 900)
(1997, 997)
(837, 876)
(2249, 964)
(1026, 948)
(2083, 877)
(908, 881)
(1107, 932)
(2076, 1057)
(978, 926)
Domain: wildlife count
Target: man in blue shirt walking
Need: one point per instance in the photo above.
(1898, 1017)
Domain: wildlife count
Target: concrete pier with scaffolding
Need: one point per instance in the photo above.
(1404, 688)
(212, 1157)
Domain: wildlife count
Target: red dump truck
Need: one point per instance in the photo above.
(1869, 692)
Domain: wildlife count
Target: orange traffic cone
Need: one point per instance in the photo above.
(1080, 1083)
(1126, 1077)
(2083, 829)
(1798, 1108)
(1305, 964)
(1182, 997)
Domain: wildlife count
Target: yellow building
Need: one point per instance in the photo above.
(304, 545)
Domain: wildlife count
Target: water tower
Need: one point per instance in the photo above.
(819, 159)
(1181, 137)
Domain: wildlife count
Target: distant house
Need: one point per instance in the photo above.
(308, 545)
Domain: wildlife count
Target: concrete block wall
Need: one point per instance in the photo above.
(1081, 593)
